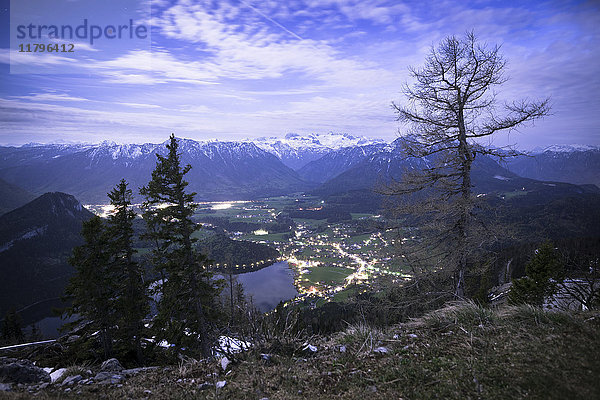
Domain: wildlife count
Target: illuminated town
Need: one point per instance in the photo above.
(328, 259)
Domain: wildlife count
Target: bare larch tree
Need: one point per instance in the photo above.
(451, 107)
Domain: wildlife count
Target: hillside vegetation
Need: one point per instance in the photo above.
(458, 352)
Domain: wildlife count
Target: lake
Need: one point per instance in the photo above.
(266, 287)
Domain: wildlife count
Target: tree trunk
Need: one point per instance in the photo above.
(464, 204)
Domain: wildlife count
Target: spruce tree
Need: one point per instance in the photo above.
(543, 273)
(92, 287)
(186, 291)
(132, 303)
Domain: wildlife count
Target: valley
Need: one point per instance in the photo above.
(327, 258)
(309, 202)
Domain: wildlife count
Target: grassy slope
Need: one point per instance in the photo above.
(457, 353)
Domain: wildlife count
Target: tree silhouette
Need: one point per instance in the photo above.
(450, 108)
(187, 293)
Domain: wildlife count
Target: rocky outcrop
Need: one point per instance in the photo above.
(21, 371)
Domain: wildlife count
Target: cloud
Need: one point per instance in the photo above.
(138, 105)
(16, 58)
(41, 97)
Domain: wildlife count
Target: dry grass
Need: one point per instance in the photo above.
(460, 352)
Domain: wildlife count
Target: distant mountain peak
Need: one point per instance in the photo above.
(58, 202)
(296, 150)
(565, 148)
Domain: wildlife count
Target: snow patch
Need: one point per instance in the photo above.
(27, 235)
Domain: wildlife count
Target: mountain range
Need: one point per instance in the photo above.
(365, 169)
(220, 170)
(574, 164)
(227, 170)
(296, 150)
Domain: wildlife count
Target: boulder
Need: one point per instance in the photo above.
(71, 380)
(56, 375)
(107, 377)
(22, 371)
(112, 365)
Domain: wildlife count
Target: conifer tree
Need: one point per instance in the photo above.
(92, 287)
(132, 303)
(543, 273)
(187, 293)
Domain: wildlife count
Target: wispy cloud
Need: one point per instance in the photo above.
(52, 97)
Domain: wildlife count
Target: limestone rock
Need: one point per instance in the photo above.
(111, 364)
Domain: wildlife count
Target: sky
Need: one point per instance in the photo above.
(236, 69)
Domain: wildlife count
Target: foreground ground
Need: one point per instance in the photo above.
(459, 352)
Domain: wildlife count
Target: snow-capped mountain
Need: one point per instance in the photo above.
(337, 161)
(390, 162)
(564, 148)
(579, 164)
(296, 150)
(220, 170)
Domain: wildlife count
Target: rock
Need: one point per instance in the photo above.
(43, 385)
(412, 335)
(204, 386)
(373, 389)
(111, 364)
(225, 363)
(106, 377)
(266, 357)
(221, 384)
(22, 371)
(381, 350)
(342, 349)
(56, 375)
(5, 387)
(70, 380)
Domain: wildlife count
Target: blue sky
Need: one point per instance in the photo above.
(234, 69)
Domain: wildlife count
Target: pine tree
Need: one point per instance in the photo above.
(132, 303)
(92, 287)
(187, 293)
(543, 273)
